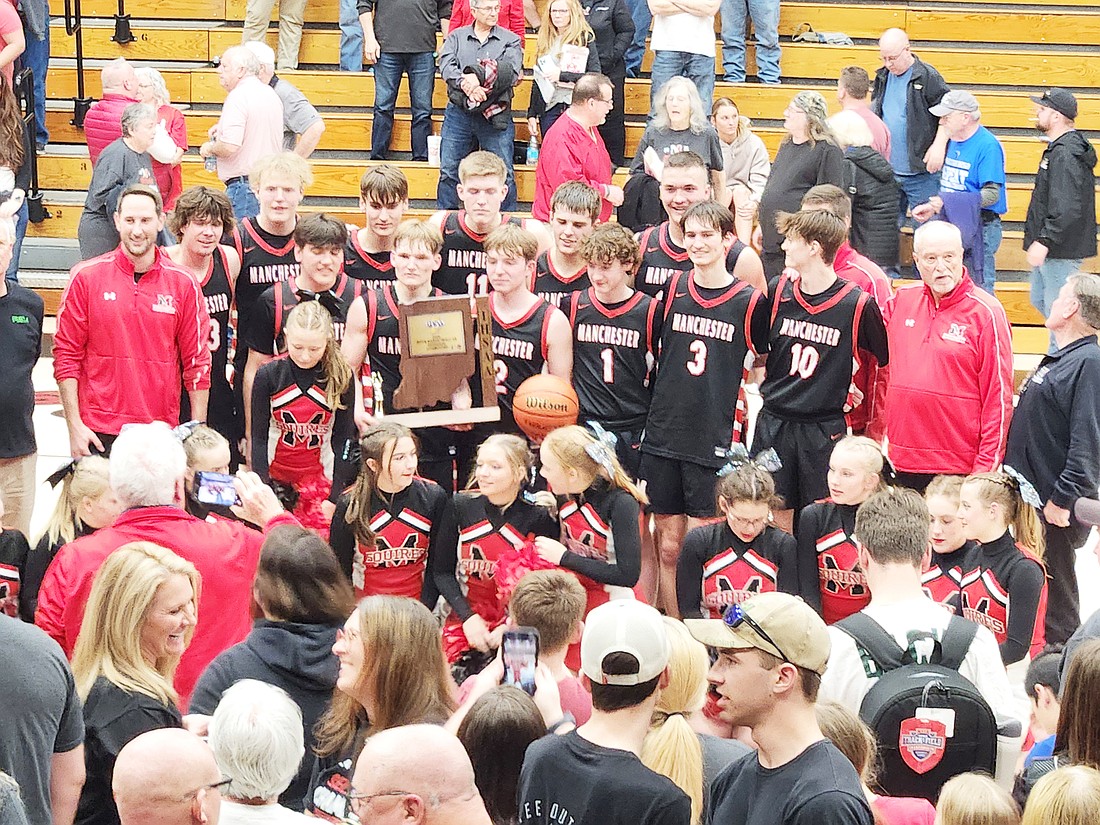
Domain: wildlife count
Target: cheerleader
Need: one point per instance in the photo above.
(302, 407)
(951, 551)
(483, 524)
(386, 525)
(1005, 588)
(732, 560)
(828, 569)
(600, 532)
(86, 503)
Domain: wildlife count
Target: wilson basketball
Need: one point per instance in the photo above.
(543, 403)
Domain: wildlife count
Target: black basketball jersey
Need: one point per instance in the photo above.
(372, 268)
(519, 351)
(462, 271)
(662, 258)
(218, 294)
(273, 307)
(266, 259)
(614, 351)
(552, 286)
(707, 345)
(812, 348)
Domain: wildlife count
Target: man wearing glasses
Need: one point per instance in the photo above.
(905, 89)
(949, 396)
(168, 777)
(573, 148)
(395, 782)
(482, 63)
(772, 651)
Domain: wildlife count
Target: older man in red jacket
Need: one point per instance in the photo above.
(103, 122)
(147, 474)
(949, 396)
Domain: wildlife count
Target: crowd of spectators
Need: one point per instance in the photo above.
(261, 599)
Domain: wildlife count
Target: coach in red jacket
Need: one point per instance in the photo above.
(147, 474)
(949, 396)
(132, 329)
(103, 122)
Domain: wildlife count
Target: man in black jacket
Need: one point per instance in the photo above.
(1060, 229)
(905, 89)
(1054, 440)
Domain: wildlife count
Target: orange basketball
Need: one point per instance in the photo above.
(543, 403)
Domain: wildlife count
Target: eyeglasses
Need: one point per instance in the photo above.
(735, 616)
(749, 522)
(487, 7)
(359, 800)
(343, 634)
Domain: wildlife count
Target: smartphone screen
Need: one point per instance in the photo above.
(215, 489)
(521, 654)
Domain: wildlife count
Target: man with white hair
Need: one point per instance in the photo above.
(302, 124)
(973, 177)
(167, 777)
(256, 734)
(103, 122)
(416, 774)
(147, 474)
(949, 396)
(250, 127)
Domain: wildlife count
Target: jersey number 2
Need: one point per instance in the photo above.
(501, 370)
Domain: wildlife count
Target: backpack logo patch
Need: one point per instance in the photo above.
(922, 743)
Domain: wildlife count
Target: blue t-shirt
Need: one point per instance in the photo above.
(896, 118)
(974, 162)
(1040, 750)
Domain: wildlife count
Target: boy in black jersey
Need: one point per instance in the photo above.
(482, 191)
(711, 334)
(529, 335)
(265, 243)
(202, 216)
(372, 344)
(684, 183)
(561, 270)
(818, 323)
(384, 198)
(615, 335)
(319, 243)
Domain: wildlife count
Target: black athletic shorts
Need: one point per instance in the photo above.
(804, 448)
(678, 488)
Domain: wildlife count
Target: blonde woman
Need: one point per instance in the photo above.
(141, 613)
(975, 799)
(1067, 796)
(672, 747)
(565, 38)
(85, 504)
(746, 165)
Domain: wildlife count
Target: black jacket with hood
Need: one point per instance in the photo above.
(1062, 212)
(870, 183)
(296, 657)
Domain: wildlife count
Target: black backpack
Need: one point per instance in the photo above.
(916, 755)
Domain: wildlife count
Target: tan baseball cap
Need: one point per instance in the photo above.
(776, 623)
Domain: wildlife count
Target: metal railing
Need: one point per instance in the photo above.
(73, 28)
(23, 86)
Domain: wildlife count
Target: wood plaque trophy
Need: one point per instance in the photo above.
(438, 352)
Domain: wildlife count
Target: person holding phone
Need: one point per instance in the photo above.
(484, 523)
